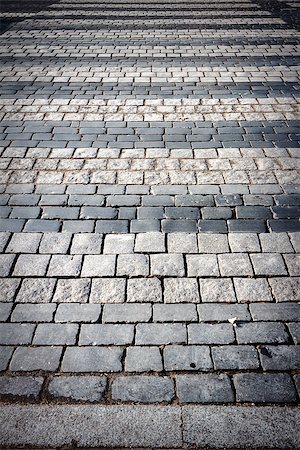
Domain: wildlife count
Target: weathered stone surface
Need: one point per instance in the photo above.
(83, 388)
(21, 386)
(143, 389)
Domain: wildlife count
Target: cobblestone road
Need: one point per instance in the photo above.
(150, 202)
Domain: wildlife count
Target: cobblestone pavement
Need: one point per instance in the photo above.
(150, 198)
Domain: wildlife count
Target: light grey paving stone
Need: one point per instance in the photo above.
(4, 237)
(293, 264)
(77, 312)
(190, 357)
(235, 264)
(204, 388)
(107, 334)
(91, 425)
(16, 333)
(33, 313)
(222, 312)
(119, 244)
(167, 265)
(8, 289)
(55, 243)
(261, 332)
(217, 290)
(181, 290)
(31, 265)
(5, 355)
(98, 266)
(280, 357)
(28, 359)
(151, 242)
(252, 290)
(24, 243)
(92, 359)
(36, 290)
(182, 243)
(287, 312)
(29, 387)
(202, 265)
(105, 290)
(55, 334)
(160, 334)
(295, 240)
(6, 262)
(143, 359)
(244, 242)
(72, 291)
(175, 313)
(144, 290)
(129, 313)
(264, 388)
(285, 289)
(213, 243)
(279, 426)
(83, 388)
(294, 329)
(268, 264)
(143, 389)
(205, 333)
(86, 244)
(5, 310)
(133, 265)
(64, 266)
(275, 243)
(235, 357)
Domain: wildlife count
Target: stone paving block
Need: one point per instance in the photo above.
(55, 334)
(72, 291)
(235, 264)
(36, 290)
(28, 359)
(8, 289)
(151, 242)
(64, 266)
(293, 264)
(191, 357)
(33, 313)
(268, 264)
(16, 333)
(222, 312)
(294, 329)
(6, 262)
(106, 290)
(285, 289)
(175, 313)
(4, 237)
(213, 243)
(295, 240)
(264, 388)
(217, 290)
(261, 332)
(252, 290)
(31, 265)
(280, 357)
(144, 290)
(24, 243)
(92, 359)
(5, 310)
(128, 313)
(205, 333)
(83, 388)
(271, 312)
(202, 265)
(133, 265)
(77, 312)
(143, 389)
(275, 243)
(29, 387)
(181, 290)
(98, 266)
(55, 243)
(143, 359)
(5, 355)
(107, 334)
(167, 265)
(86, 244)
(182, 243)
(160, 334)
(244, 242)
(235, 357)
(204, 388)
